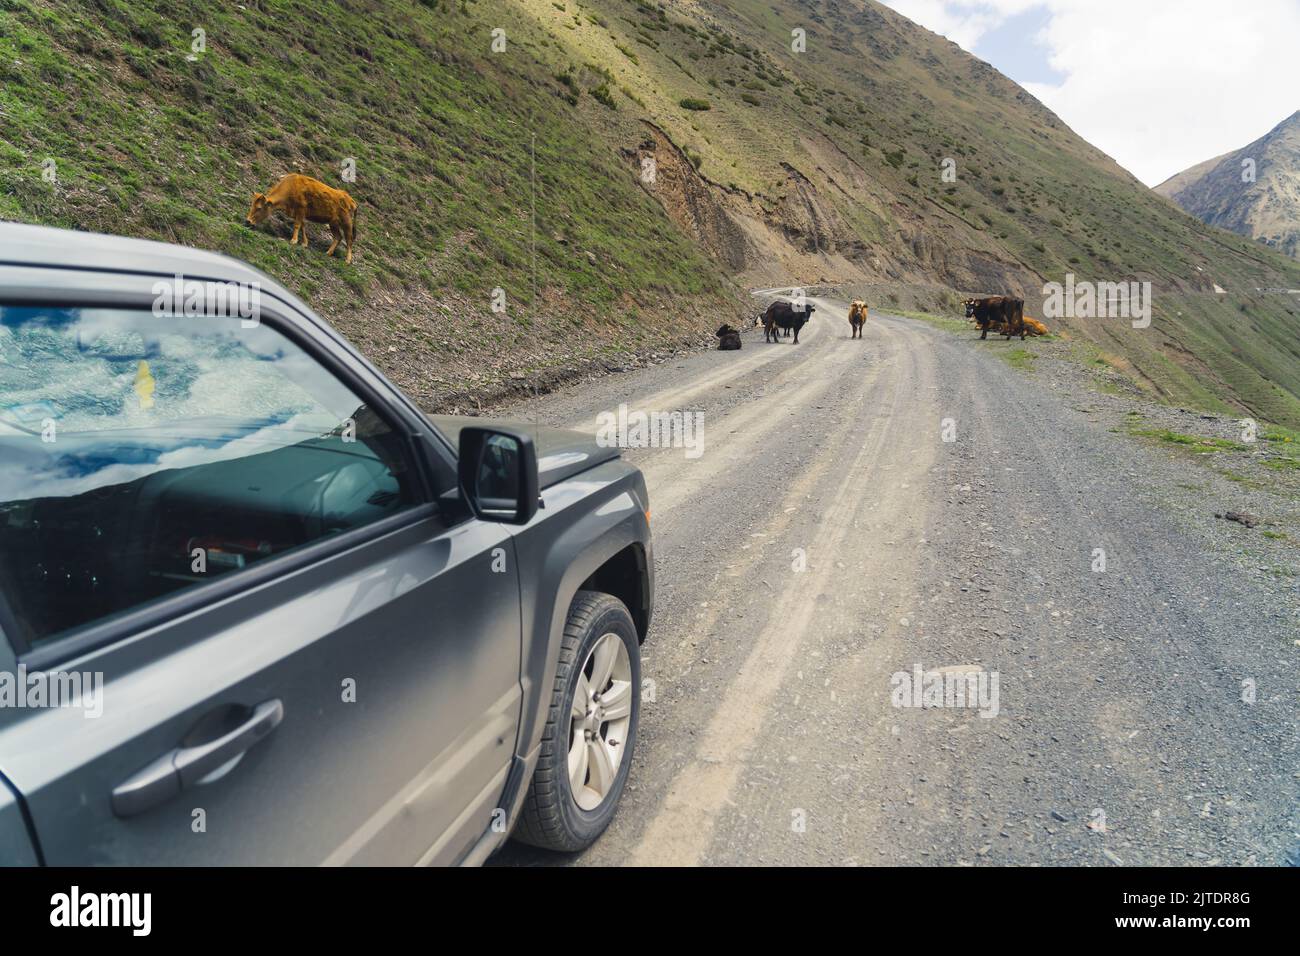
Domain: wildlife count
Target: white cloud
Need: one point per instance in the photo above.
(963, 24)
(1160, 85)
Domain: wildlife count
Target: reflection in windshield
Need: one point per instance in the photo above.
(84, 364)
(112, 395)
(141, 455)
(84, 464)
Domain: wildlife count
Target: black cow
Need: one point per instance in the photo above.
(728, 338)
(784, 316)
(1001, 313)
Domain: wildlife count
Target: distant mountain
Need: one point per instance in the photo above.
(1263, 203)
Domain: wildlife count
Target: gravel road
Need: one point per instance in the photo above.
(829, 538)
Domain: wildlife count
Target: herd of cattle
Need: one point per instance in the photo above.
(999, 314)
(1002, 314)
(305, 200)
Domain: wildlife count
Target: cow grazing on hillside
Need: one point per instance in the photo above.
(305, 200)
(857, 317)
(1001, 313)
(783, 315)
(728, 338)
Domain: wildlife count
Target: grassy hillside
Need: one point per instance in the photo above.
(773, 166)
(151, 139)
(832, 161)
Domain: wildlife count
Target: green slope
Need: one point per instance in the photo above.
(868, 113)
(147, 141)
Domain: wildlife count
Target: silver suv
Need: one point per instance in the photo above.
(257, 608)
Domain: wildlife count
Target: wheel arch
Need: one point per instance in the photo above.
(594, 536)
(625, 575)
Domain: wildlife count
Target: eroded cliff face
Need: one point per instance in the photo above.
(698, 207)
(834, 226)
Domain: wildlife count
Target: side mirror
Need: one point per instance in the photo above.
(498, 474)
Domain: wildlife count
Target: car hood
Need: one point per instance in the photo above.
(560, 453)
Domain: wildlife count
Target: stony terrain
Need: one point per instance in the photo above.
(1146, 712)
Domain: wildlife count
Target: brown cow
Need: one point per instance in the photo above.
(305, 200)
(857, 317)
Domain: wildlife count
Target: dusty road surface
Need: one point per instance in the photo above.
(828, 537)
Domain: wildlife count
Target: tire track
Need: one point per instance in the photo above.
(681, 831)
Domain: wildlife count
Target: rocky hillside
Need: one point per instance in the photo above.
(829, 165)
(671, 156)
(1254, 191)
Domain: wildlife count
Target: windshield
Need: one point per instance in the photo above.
(183, 390)
(142, 453)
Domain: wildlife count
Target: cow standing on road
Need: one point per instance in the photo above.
(784, 316)
(857, 317)
(1001, 313)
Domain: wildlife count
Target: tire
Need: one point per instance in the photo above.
(553, 817)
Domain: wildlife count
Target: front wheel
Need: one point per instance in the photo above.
(590, 730)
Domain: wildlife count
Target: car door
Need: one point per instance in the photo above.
(264, 631)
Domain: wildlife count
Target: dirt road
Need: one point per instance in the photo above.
(909, 503)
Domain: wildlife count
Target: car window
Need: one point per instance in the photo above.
(143, 454)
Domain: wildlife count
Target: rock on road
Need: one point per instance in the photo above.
(1121, 735)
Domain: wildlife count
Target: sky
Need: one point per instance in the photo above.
(1159, 85)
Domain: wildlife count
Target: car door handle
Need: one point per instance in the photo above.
(186, 766)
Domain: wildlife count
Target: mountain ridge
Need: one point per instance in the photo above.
(1265, 206)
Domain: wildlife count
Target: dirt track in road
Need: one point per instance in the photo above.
(829, 538)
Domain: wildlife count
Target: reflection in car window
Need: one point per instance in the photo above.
(143, 454)
(498, 473)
